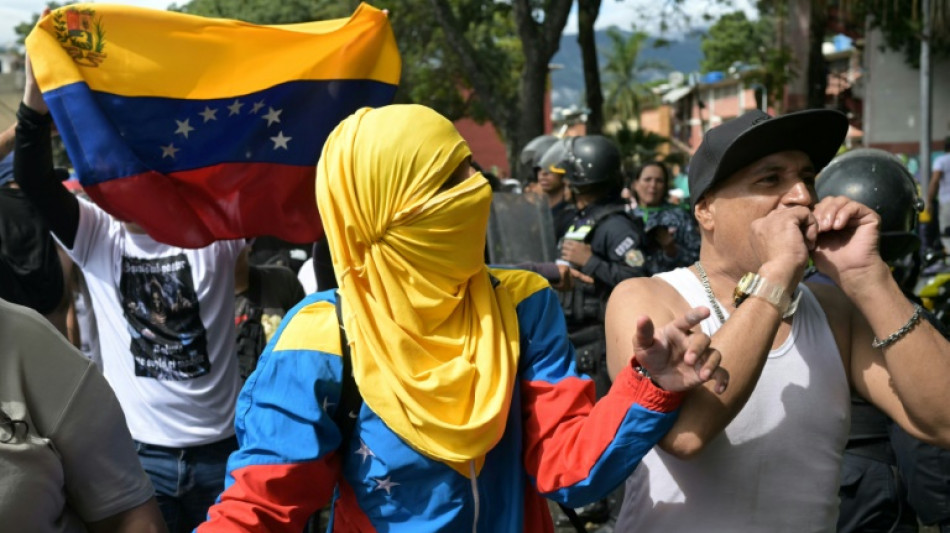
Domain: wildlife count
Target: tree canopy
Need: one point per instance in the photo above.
(623, 69)
(734, 40)
(900, 22)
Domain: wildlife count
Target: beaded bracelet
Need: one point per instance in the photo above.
(904, 330)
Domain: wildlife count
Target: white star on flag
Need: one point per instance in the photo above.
(273, 115)
(184, 127)
(235, 108)
(257, 107)
(364, 451)
(280, 141)
(384, 484)
(327, 404)
(169, 151)
(209, 114)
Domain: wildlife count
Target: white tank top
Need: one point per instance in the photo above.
(775, 467)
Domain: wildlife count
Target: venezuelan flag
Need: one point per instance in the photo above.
(201, 129)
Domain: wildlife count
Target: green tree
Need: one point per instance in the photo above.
(626, 95)
(490, 56)
(734, 39)
(900, 22)
(638, 146)
(267, 12)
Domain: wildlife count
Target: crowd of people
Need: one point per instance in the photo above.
(687, 362)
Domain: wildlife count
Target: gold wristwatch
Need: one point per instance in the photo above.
(755, 285)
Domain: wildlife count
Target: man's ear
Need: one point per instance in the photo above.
(704, 211)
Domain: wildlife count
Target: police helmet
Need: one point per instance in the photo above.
(532, 152)
(880, 181)
(590, 161)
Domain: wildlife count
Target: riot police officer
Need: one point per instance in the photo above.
(888, 478)
(551, 185)
(603, 245)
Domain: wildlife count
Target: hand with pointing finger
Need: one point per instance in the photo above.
(677, 357)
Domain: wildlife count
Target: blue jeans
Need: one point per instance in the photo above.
(187, 481)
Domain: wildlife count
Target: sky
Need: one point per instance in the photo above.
(612, 13)
(645, 14)
(13, 12)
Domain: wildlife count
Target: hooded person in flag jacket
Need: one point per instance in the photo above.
(473, 411)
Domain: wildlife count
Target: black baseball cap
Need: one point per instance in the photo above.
(735, 144)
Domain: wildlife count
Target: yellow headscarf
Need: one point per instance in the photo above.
(434, 347)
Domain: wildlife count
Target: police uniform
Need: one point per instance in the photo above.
(871, 495)
(563, 214)
(616, 240)
(681, 225)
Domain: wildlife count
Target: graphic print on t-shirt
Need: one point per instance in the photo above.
(159, 301)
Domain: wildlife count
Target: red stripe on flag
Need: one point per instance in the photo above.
(193, 208)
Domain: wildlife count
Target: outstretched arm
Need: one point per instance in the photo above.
(33, 165)
(578, 449)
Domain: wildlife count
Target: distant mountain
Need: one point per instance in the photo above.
(567, 83)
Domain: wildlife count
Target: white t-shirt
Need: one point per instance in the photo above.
(942, 164)
(165, 317)
(86, 322)
(71, 459)
(307, 277)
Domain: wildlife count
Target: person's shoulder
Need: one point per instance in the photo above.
(676, 212)
(22, 322)
(310, 325)
(645, 290)
(618, 218)
(638, 296)
(668, 215)
(521, 284)
(36, 348)
(644, 286)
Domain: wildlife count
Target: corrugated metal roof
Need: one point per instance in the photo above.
(676, 94)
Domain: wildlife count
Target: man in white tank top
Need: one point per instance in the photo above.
(764, 456)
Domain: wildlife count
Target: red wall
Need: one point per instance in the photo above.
(488, 148)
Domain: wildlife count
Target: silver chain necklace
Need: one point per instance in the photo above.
(709, 292)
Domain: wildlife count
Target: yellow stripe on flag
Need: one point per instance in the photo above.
(133, 51)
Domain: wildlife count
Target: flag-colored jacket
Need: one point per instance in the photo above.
(558, 444)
